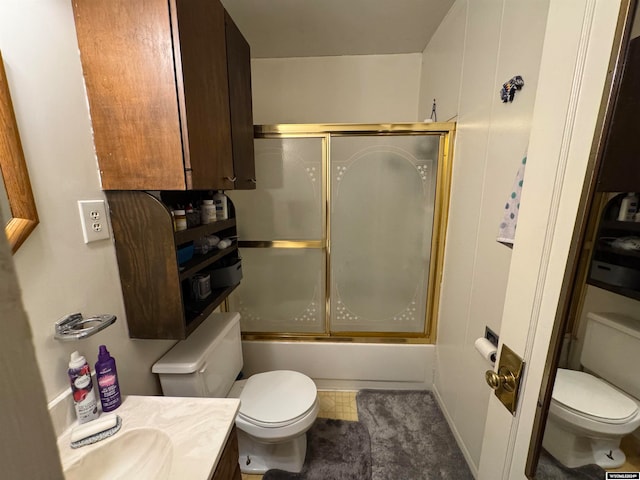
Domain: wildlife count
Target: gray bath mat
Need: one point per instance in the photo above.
(550, 469)
(336, 450)
(410, 438)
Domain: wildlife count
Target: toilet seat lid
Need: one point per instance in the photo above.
(278, 397)
(592, 397)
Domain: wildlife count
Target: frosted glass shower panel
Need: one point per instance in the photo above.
(382, 207)
(282, 290)
(286, 204)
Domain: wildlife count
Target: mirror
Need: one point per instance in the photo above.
(582, 428)
(16, 198)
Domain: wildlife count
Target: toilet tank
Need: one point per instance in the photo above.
(611, 350)
(205, 364)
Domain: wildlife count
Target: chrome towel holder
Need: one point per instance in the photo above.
(75, 327)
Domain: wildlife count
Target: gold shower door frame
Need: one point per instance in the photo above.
(446, 131)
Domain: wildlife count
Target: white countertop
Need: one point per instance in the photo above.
(198, 429)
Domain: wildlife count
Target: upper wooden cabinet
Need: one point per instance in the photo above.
(158, 76)
(620, 166)
(239, 74)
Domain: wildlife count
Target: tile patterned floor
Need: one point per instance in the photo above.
(340, 405)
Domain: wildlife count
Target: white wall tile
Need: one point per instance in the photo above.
(501, 39)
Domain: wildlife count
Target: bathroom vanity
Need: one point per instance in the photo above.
(162, 438)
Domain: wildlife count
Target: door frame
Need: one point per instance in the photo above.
(574, 73)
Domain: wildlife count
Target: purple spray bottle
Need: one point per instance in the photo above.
(107, 377)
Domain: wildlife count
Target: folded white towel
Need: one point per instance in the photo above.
(507, 232)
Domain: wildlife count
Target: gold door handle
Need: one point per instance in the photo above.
(504, 378)
(506, 381)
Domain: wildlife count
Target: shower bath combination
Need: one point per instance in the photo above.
(344, 235)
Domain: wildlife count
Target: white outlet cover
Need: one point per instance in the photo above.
(93, 217)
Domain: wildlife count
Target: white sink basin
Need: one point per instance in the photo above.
(161, 438)
(139, 453)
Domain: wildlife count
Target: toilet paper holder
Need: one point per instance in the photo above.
(506, 382)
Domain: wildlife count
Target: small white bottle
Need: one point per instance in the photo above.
(208, 212)
(84, 396)
(222, 208)
(628, 208)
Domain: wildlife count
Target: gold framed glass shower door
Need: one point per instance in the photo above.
(344, 236)
(282, 227)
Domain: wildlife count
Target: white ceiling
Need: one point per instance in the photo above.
(311, 28)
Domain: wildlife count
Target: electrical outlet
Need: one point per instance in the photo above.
(93, 216)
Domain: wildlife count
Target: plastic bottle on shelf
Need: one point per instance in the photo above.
(193, 217)
(180, 220)
(628, 208)
(222, 208)
(208, 211)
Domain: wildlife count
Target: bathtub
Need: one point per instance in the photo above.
(346, 366)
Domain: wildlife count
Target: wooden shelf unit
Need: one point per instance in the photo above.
(154, 286)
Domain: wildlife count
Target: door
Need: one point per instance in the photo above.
(578, 43)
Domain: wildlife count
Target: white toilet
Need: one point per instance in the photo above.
(276, 408)
(589, 415)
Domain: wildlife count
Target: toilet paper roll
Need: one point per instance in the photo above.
(487, 349)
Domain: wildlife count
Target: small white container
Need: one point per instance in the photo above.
(208, 212)
(628, 208)
(222, 208)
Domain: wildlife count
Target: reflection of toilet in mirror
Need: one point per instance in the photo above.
(591, 412)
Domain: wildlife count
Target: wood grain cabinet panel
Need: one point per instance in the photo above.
(620, 167)
(239, 72)
(159, 93)
(228, 467)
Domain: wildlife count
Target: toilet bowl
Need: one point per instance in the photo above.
(587, 419)
(276, 408)
(591, 411)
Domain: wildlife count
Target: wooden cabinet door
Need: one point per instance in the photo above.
(127, 60)
(620, 168)
(239, 72)
(203, 92)
(228, 467)
(156, 77)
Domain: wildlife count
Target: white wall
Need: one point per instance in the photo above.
(488, 42)
(26, 425)
(348, 89)
(58, 273)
